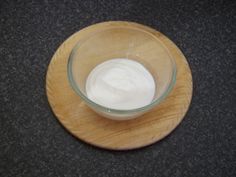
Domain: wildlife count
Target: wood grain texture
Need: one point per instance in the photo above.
(88, 126)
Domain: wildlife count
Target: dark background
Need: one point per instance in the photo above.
(34, 144)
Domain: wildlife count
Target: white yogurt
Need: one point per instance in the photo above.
(120, 84)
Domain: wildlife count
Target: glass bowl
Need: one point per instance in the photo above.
(122, 42)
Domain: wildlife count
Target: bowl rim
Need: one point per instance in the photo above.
(99, 107)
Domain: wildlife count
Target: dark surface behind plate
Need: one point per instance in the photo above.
(33, 143)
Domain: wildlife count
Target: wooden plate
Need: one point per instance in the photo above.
(86, 125)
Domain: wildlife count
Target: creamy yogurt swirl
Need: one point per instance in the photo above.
(120, 83)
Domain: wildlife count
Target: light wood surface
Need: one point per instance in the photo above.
(88, 126)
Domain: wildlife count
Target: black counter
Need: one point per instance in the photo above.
(33, 142)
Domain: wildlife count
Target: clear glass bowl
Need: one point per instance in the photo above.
(122, 42)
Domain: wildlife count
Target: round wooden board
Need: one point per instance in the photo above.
(88, 126)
